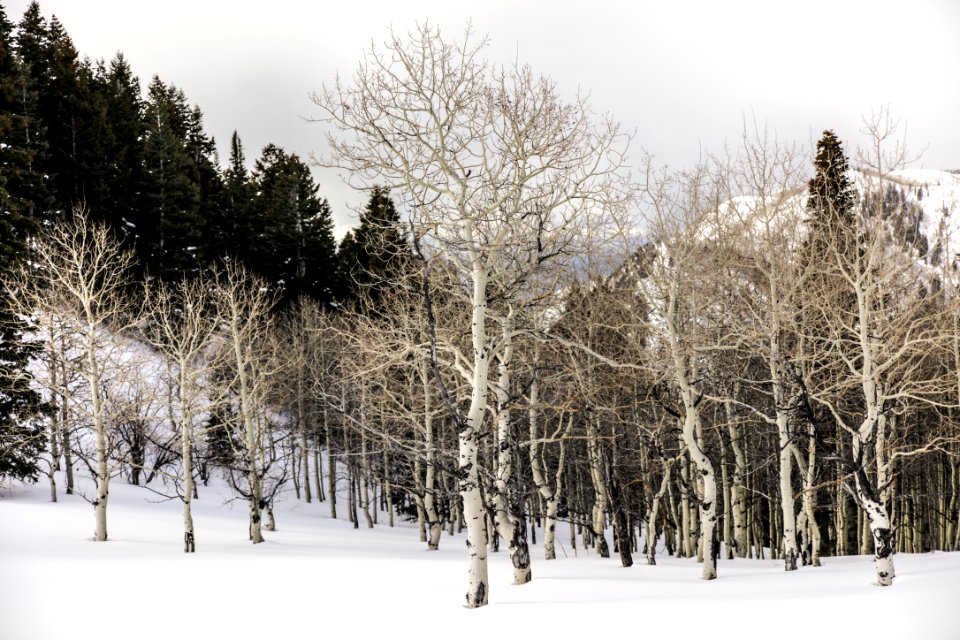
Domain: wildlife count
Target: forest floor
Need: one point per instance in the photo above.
(315, 575)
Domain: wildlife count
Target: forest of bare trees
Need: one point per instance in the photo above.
(758, 355)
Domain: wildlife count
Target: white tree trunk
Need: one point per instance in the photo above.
(434, 525)
(186, 451)
(691, 425)
(469, 444)
(100, 436)
(510, 529)
(539, 477)
(655, 512)
(876, 516)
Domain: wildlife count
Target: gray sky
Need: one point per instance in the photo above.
(682, 74)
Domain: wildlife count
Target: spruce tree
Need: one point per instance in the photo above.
(29, 134)
(372, 256)
(831, 199)
(229, 225)
(168, 224)
(110, 153)
(292, 244)
(21, 431)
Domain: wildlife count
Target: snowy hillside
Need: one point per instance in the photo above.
(315, 577)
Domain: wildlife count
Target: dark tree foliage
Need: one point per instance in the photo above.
(832, 224)
(229, 225)
(117, 179)
(372, 256)
(29, 132)
(831, 197)
(291, 240)
(169, 224)
(21, 430)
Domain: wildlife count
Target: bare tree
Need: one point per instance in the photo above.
(883, 345)
(248, 354)
(686, 323)
(82, 276)
(181, 326)
(493, 167)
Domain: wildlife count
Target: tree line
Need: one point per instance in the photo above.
(734, 359)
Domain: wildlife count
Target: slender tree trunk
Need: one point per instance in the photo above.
(387, 487)
(100, 435)
(430, 479)
(365, 461)
(510, 529)
(186, 453)
(622, 525)
(654, 513)
(783, 406)
(728, 542)
(691, 426)
(304, 449)
(546, 492)
(317, 468)
(951, 514)
(469, 444)
(875, 513)
(601, 500)
(331, 467)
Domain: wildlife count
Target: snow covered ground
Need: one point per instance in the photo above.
(315, 576)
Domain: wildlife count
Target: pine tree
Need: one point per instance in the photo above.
(168, 225)
(372, 257)
(206, 172)
(21, 431)
(292, 244)
(831, 199)
(29, 133)
(112, 151)
(229, 224)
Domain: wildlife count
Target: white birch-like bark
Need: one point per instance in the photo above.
(691, 422)
(738, 488)
(433, 523)
(100, 438)
(783, 404)
(601, 501)
(510, 529)
(547, 493)
(189, 536)
(655, 512)
(469, 444)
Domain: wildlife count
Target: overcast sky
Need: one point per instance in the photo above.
(681, 74)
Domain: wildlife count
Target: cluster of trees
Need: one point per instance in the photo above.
(734, 353)
(80, 134)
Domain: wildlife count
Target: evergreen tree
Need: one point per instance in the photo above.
(21, 431)
(29, 133)
(169, 223)
(64, 107)
(206, 172)
(229, 224)
(110, 156)
(292, 244)
(831, 199)
(371, 257)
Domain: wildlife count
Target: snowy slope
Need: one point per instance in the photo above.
(316, 577)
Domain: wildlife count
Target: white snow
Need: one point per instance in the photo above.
(315, 577)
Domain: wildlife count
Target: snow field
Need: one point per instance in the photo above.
(315, 576)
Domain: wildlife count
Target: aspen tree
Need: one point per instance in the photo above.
(181, 326)
(82, 277)
(493, 168)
